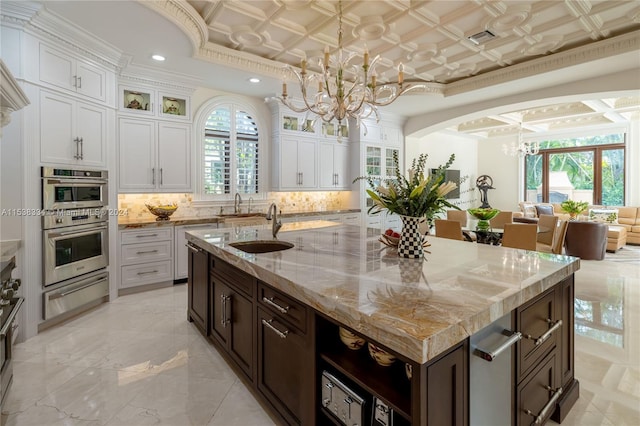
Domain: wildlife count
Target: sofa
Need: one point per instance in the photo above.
(623, 230)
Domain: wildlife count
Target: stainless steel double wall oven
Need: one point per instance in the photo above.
(75, 238)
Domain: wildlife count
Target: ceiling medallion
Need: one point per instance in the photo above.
(370, 28)
(424, 52)
(246, 36)
(545, 45)
(510, 19)
(331, 96)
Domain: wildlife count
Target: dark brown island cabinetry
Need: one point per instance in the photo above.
(546, 387)
(232, 313)
(198, 287)
(292, 358)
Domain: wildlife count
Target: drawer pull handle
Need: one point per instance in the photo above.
(146, 251)
(223, 318)
(545, 410)
(146, 236)
(489, 355)
(271, 302)
(540, 340)
(282, 334)
(155, 271)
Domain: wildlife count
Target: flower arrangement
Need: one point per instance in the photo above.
(574, 208)
(414, 195)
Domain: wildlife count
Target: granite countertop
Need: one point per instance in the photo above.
(126, 222)
(8, 250)
(418, 308)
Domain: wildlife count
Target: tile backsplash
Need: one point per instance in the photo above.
(287, 202)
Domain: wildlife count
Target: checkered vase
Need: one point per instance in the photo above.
(410, 245)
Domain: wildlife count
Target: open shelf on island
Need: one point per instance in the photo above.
(388, 383)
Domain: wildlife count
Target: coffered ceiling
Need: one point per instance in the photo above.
(431, 38)
(221, 43)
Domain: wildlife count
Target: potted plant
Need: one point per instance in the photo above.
(414, 198)
(574, 208)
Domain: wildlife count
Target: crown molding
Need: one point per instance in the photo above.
(184, 16)
(624, 43)
(36, 20)
(138, 75)
(12, 98)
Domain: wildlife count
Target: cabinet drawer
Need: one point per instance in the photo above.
(538, 393)
(231, 275)
(148, 273)
(145, 252)
(535, 320)
(143, 236)
(287, 308)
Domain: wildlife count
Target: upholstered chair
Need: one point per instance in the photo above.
(546, 228)
(501, 218)
(519, 235)
(449, 229)
(586, 240)
(557, 245)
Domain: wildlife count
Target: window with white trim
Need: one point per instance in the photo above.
(230, 153)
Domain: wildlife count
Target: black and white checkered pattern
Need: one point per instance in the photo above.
(410, 245)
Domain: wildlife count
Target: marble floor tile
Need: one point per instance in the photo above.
(137, 361)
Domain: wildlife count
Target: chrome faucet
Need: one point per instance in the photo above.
(236, 203)
(250, 201)
(276, 224)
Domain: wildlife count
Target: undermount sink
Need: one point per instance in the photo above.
(261, 246)
(240, 215)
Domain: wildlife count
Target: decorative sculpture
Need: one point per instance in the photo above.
(484, 183)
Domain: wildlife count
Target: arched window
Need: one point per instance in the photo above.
(229, 153)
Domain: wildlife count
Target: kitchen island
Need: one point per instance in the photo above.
(275, 316)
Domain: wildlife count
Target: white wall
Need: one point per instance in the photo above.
(439, 146)
(633, 163)
(504, 170)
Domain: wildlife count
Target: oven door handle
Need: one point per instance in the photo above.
(12, 315)
(55, 235)
(77, 182)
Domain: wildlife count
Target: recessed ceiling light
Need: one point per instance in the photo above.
(254, 80)
(158, 57)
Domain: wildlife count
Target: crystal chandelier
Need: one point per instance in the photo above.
(521, 148)
(330, 95)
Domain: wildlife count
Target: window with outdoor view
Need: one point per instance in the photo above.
(230, 152)
(589, 168)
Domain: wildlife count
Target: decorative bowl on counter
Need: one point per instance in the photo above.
(381, 356)
(351, 340)
(163, 211)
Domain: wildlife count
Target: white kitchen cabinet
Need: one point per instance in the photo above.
(333, 166)
(72, 132)
(145, 256)
(64, 71)
(297, 159)
(154, 156)
(181, 251)
(143, 101)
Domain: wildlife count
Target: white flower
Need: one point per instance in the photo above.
(446, 188)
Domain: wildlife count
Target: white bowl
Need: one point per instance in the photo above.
(381, 356)
(351, 340)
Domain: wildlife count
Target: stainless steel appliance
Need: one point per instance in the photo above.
(341, 401)
(490, 373)
(74, 293)
(9, 307)
(74, 189)
(75, 242)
